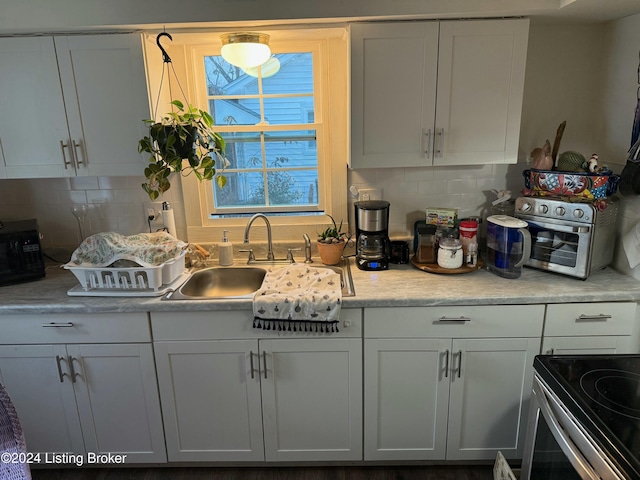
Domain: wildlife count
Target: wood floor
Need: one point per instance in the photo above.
(270, 473)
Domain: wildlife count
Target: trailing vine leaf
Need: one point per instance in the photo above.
(185, 134)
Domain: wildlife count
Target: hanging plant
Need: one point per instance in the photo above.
(182, 141)
(182, 135)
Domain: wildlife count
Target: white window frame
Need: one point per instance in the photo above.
(331, 100)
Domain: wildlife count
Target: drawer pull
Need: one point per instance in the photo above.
(454, 319)
(600, 316)
(55, 324)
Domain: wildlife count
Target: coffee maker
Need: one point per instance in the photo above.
(373, 248)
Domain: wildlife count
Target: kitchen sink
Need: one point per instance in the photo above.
(241, 282)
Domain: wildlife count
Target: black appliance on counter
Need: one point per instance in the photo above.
(20, 254)
(584, 421)
(373, 248)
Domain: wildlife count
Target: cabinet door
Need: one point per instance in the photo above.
(42, 392)
(211, 400)
(491, 383)
(585, 345)
(32, 119)
(481, 70)
(105, 88)
(312, 399)
(406, 394)
(393, 88)
(117, 397)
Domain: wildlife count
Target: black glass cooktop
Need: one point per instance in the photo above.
(603, 393)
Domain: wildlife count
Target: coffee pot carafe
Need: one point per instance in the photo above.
(508, 245)
(373, 247)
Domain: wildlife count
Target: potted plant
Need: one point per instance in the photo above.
(182, 135)
(331, 243)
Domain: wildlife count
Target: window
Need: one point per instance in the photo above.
(272, 152)
(286, 134)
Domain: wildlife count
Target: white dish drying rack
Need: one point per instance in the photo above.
(129, 281)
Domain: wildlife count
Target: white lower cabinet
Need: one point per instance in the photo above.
(84, 397)
(448, 383)
(589, 328)
(255, 395)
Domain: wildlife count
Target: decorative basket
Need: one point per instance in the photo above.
(128, 278)
(571, 184)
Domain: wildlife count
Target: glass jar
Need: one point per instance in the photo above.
(450, 253)
(426, 251)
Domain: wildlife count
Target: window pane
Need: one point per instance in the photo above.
(291, 149)
(225, 79)
(235, 112)
(293, 188)
(243, 150)
(243, 189)
(295, 74)
(278, 111)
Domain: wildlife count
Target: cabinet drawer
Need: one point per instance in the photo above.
(572, 319)
(238, 324)
(75, 328)
(489, 321)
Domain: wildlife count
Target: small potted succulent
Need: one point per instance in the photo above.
(183, 135)
(331, 243)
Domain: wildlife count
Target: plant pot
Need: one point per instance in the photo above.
(183, 149)
(331, 253)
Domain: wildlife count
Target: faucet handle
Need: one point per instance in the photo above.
(252, 257)
(290, 253)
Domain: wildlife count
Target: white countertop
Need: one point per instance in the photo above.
(401, 285)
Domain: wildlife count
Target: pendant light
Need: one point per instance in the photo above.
(268, 68)
(245, 50)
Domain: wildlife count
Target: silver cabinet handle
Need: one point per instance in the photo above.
(251, 363)
(428, 149)
(459, 363)
(60, 374)
(461, 318)
(82, 153)
(72, 370)
(264, 361)
(598, 317)
(69, 162)
(438, 152)
(57, 325)
(446, 363)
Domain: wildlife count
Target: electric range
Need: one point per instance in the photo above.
(602, 393)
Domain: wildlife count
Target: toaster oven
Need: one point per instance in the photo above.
(573, 239)
(21, 257)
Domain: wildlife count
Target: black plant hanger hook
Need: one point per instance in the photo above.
(165, 55)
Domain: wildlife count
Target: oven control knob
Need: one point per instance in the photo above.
(525, 207)
(560, 211)
(543, 209)
(578, 213)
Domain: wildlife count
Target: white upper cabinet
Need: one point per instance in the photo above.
(72, 105)
(437, 93)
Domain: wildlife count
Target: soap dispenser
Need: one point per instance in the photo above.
(225, 251)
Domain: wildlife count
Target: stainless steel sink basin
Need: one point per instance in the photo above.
(241, 282)
(220, 282)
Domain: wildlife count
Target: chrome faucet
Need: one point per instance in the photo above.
(307, 248)
(270, 256)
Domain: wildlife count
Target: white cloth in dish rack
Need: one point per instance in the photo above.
(298, 294)
(145, 249)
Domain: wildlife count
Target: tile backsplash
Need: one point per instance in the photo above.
(116, 203)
